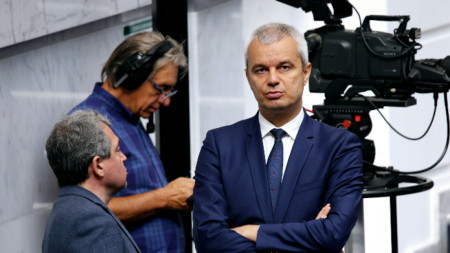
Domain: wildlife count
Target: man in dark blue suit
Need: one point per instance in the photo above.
(246, 202)
(84, 154)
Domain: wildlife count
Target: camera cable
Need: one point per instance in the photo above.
(435, 96)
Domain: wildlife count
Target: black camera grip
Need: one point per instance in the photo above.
(403, 19)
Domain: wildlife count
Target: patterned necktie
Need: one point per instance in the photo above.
(275, 166)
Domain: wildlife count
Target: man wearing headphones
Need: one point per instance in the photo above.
(138, 78)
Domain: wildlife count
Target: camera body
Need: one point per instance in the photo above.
(348, 62)
(345, 63)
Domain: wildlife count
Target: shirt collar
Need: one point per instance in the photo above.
(115, 104)
(291, 128)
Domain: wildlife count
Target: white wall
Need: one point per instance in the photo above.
(220, 95)
(419, 214)
(23, 20)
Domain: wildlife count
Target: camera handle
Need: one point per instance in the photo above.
(403, 19)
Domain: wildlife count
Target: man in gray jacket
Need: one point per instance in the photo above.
(84, 154)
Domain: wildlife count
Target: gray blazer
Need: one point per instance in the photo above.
(81, 222)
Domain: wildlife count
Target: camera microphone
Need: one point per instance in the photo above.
(150, 125)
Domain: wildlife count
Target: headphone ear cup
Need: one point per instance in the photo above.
(127, 74)
(134, 70)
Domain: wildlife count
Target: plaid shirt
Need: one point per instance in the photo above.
(162, 232)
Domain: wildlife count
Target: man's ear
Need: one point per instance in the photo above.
(307, 72)
(98, 167)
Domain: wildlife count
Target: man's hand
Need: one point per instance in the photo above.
(133, 208)
(323, 214)
(176, 192)
(248, 231)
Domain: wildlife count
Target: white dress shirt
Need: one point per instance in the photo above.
(291, 128)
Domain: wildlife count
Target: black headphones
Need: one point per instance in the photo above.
(136, 68)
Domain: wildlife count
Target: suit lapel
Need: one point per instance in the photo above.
(300, 151)
(123, 229)
(255, 155)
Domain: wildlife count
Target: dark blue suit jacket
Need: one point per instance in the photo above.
(325, 166)
(81, 222)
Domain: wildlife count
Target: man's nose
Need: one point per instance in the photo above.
(273, 78)
(164, 102)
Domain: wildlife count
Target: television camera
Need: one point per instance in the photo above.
(347, 63)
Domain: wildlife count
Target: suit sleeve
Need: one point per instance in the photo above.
(343, 192)
(211, 230)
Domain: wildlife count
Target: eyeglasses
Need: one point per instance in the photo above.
(164, 93)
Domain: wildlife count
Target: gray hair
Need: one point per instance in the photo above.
(142, 42)
(74, 142)
(273, 32)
